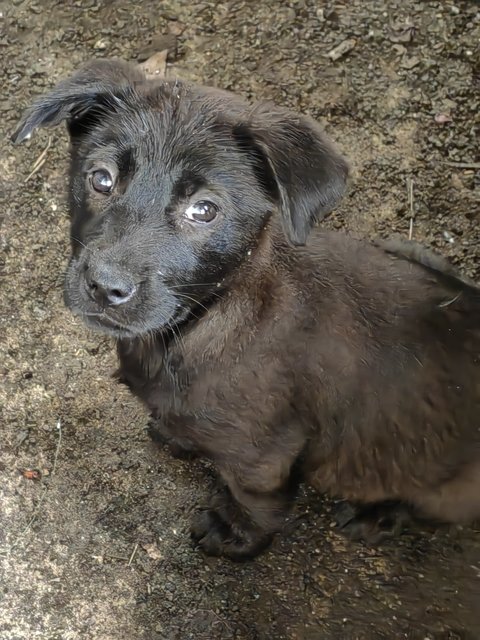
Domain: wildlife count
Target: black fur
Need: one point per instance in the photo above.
(351, 365)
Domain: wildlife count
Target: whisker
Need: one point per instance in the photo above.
(103, 314)
(172, 325)
(80, 243)
(193, 314)
(213, 293)
(193, 284)
(185, 297)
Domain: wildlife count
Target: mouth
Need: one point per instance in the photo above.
(148, 319)
(101, 321)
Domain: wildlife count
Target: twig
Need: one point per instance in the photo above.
(219, 619)
(133, 555)
(410, 202)
(44, 493)
(40, 161)
(59, 429)
(462, 165)
(34, 171)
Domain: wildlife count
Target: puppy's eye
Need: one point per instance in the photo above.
(102, 181)
(202, 211)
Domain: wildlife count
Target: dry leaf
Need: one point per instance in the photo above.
(161, 42)
(31, 474)
(152, 551)
(156, 65)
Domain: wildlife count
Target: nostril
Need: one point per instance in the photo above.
(120, 296)
(107, 285)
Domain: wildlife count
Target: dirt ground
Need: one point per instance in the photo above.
(98, 547)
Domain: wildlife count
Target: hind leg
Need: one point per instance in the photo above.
(457, 500)
(372, 523)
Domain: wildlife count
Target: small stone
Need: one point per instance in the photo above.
(100, 45)
(449, 238)
(176, 28)
(443, 118)
(410, 63)
(342, 49)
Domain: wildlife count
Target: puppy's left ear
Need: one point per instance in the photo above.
(90, 90)
(297, 164)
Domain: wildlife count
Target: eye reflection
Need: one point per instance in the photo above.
(202, 211)
(102, 181)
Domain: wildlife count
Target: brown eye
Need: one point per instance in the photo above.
(102, 181)
(202, 211)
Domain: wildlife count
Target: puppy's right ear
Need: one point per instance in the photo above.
(295, 163)
(91, 89)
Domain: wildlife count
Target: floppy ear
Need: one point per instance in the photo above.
(92, 88)
(297, 165)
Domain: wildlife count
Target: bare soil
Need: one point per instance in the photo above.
(98, 547)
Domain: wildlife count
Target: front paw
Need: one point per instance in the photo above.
(179, 447)
(238, 540)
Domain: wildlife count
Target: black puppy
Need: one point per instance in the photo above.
(353, 366)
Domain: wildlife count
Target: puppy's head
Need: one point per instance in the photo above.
(171, 188)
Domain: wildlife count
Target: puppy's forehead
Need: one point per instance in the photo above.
(161, 127)
(173, 113)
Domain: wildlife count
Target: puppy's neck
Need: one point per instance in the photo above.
(246, 299)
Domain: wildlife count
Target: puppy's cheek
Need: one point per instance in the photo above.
(160, 315)
(146, 313)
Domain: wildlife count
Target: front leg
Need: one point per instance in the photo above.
(240, 524)
(164, 435)
(260, 473)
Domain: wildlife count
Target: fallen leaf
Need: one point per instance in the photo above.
(156, 65)
(160, 42)
(152, 551)
(31, 474)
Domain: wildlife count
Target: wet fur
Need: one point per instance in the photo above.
(354, 366)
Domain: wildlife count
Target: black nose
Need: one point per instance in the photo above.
(108, 285)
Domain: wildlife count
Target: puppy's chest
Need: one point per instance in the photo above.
(168, 382)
